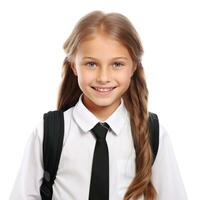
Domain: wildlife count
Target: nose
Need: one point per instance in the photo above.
(103, 75)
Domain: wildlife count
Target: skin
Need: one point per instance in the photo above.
(103, 69)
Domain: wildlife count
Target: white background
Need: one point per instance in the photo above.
(32, 34)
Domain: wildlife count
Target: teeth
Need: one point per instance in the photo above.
(103, 89)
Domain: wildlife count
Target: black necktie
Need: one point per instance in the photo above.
(99, 184)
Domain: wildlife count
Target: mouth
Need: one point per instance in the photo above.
(103, 90)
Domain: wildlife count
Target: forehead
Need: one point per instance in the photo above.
(102, 45)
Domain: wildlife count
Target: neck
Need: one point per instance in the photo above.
(101, 112)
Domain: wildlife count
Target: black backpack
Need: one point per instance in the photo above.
(53, 142)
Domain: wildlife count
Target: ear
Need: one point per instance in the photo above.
(74, 69)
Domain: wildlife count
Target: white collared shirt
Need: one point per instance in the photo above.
(74, 172)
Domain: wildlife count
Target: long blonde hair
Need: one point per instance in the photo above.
(135, 98)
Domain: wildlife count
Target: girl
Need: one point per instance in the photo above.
(104, 78)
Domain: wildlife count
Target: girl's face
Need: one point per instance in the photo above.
(104, 69)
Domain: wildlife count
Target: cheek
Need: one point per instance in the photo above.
(124, 78)
(85, 78)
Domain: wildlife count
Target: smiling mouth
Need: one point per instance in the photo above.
(99, 89)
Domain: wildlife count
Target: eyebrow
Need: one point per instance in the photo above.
(120, 57)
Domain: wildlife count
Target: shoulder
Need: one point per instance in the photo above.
(38, 130)
(165, 148)
(156, 123)
(153, 117)
(163, 133)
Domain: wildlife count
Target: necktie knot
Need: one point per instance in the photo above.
(100, 130)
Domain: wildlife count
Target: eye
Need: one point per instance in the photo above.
(118, 64)
(90, 64)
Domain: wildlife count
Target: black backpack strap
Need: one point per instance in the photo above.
(154, 133)
(52, 147)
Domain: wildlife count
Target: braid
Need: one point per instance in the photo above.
(136, 103)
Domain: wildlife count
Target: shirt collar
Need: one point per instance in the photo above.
(86, 120)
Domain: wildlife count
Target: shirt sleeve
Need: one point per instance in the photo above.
(29, 178)
(165, 172)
